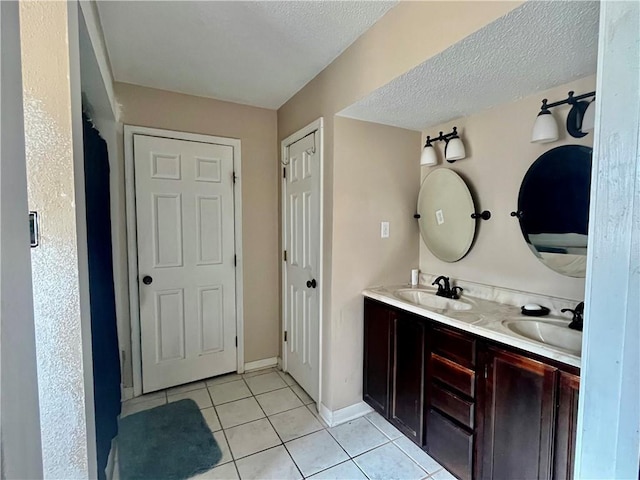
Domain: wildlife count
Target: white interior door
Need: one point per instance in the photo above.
(186, 257)
(302, 231)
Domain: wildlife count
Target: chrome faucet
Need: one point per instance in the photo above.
(577, 321)
(444, 288)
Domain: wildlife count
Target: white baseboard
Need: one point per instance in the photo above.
(279, 363)
(342, 415)
(112, 462)
(126, 393)
(258, 364)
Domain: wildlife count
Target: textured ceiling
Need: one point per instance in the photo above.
(256, 53)
(537, 46)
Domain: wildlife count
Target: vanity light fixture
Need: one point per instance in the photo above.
(579, 119)
(453, 150)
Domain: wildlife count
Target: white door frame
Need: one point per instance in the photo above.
(132, 240)
(608, 439)
(318, 126)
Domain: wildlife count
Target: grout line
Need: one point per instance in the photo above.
(358, 466)
(237, 469)
(280, 438)
(328, 468)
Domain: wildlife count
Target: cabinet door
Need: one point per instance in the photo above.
(566, 429)
(519, 405)
(377, 356)
(408, 377)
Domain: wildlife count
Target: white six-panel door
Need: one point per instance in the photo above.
(185, 232)
(302, 231)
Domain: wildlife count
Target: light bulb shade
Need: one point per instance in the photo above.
(429, 156)
(545, 129)
(454, 150)
(589, 119)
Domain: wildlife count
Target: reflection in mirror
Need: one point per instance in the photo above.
(553, 207)
(445, 207)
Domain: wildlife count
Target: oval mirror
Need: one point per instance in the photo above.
(553, 208)
(445, 206)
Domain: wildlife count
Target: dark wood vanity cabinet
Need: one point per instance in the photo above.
(482, 411)
(519, 403)
(378, 337)
(566, 426)
(451, 407)
(408, 375)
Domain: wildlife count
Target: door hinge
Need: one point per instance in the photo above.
(285, 335)
(284, 256)
(236, 341)
(235, 260)
(233, 177)
(284, 172)
(486, 371)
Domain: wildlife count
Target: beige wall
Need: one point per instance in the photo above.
(55, 177)
(499, 153)
(406, 36)
(256, 128)
(21, 445)
(376, 179)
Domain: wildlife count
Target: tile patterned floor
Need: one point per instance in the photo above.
(268, 428)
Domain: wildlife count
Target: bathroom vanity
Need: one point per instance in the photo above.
(460, 381)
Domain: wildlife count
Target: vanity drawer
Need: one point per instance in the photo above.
(452, 374)
(450, 445)
(454, 346)
(456, 407)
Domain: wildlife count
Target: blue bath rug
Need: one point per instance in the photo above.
(170, 442)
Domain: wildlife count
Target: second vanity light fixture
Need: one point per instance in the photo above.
(579, 120)
(453, 150)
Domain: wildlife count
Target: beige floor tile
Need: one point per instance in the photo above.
(201, 397)
(388, 461)
(418, 455)
(238, 412)
(230, 377)
(344, 471)
(295, 423)
(251, 438)
(265, 383)
(272, 464)
(306, 399)
(223, 472)
(288, 379)
(316, 452)
(185, 388)
(229, 392)
(146, 398)
(358, 436)
(383, 425)
(224, 447)
(314, 411)
(278, 401)
(131, 408)
(211, 418)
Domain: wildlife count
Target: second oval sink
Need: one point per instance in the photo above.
(554, 334)
(429, 299)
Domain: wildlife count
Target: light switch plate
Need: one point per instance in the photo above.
(384, 230)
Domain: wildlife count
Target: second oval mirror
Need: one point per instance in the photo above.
(445, 207)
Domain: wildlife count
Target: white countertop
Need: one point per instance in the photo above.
(484, 319)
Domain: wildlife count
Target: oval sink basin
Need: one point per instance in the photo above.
(549, 333)
(426, 298)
